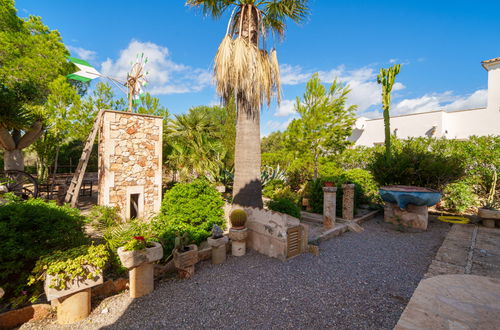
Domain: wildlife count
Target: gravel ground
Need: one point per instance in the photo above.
(359, 281)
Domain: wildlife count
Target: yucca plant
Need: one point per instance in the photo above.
(246, 70)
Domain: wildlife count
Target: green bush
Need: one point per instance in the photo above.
(458, 197)
(366, 189)
(269, 189)
(286, 206)
(189, 207)
(418, 162)
(29, 230)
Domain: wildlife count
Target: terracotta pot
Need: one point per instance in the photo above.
(183, 260)
(329, 184)
(132, 259)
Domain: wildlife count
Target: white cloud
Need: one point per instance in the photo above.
(274, 125)
(365, 92)
(441, 101)
(84, 54)
(286, 108)
(165, 76)
(293, 75)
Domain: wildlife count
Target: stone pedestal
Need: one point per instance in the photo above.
(489, 223)
(348, 201)
(238, 241)
(218, 246)
(74, 307)
(413, 216)
(141, 280)
(329, 206)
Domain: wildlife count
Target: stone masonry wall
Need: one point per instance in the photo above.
(130, 156)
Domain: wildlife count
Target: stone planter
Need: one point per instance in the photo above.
(141, 268)
(73, 302)
(132, 259)
(489, 217)
(218, 246)
(238, 241)
(184, 261)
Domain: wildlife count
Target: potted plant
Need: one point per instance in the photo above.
(138, 256)
(329, 184)
(490, 213)
(185, 256)
(68, 277)
(218, 244)
(238, 232)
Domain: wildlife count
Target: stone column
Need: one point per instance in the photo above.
(348, 201)
(74, 307)
(141, 280)
(329, 206)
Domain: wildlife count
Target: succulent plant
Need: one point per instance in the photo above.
(238, 218)
(217, 232)
(181, 241)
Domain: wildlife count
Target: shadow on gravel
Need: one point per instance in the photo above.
(360, 280)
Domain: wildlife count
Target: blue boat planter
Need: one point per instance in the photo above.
(404, 195)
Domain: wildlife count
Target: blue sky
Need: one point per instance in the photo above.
(439, 43)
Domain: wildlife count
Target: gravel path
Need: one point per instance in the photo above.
(359, 281)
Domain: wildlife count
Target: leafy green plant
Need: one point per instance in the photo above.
(238, 218)
(104, 217)
(189, 207)
(284, 206)
(80, 263)
(417, 162)
(137, 243)
(459, 196)
(32, 229)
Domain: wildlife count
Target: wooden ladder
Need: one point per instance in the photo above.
(76, 182)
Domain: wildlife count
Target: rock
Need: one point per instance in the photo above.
(217, 232)
(1, 292)
(105, 311)
(17, 317)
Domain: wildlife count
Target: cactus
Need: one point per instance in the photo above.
(386, 78)
(238, 218)
(181, 241)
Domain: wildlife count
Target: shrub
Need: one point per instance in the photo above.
(458, 197)
(284, 206)
(269, 189)
(29, 230)
(104, 217)
(189, 207)
(418, 162)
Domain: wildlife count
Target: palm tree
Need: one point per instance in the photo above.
(245, 70)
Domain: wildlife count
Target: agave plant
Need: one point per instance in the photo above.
(269, 174)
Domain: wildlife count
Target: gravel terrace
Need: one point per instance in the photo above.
(359, 281)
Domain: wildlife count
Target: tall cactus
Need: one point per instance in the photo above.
(386, 78)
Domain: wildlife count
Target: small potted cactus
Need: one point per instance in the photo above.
(218, 244)
(185, 256)
(238, 232)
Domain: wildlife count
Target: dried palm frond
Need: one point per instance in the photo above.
(223, 67)
(275, 72)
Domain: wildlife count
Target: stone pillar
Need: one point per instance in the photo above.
(348, 201)
(74, 307)
(329, 206)
(413, 216)
(141, 280)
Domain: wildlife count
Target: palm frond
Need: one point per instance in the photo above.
(277, 11)
(214, 8)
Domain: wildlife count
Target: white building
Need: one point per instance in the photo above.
(454, 124)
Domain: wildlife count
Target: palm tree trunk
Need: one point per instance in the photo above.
(247, 189)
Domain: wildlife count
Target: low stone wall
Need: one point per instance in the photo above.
(267, 232)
